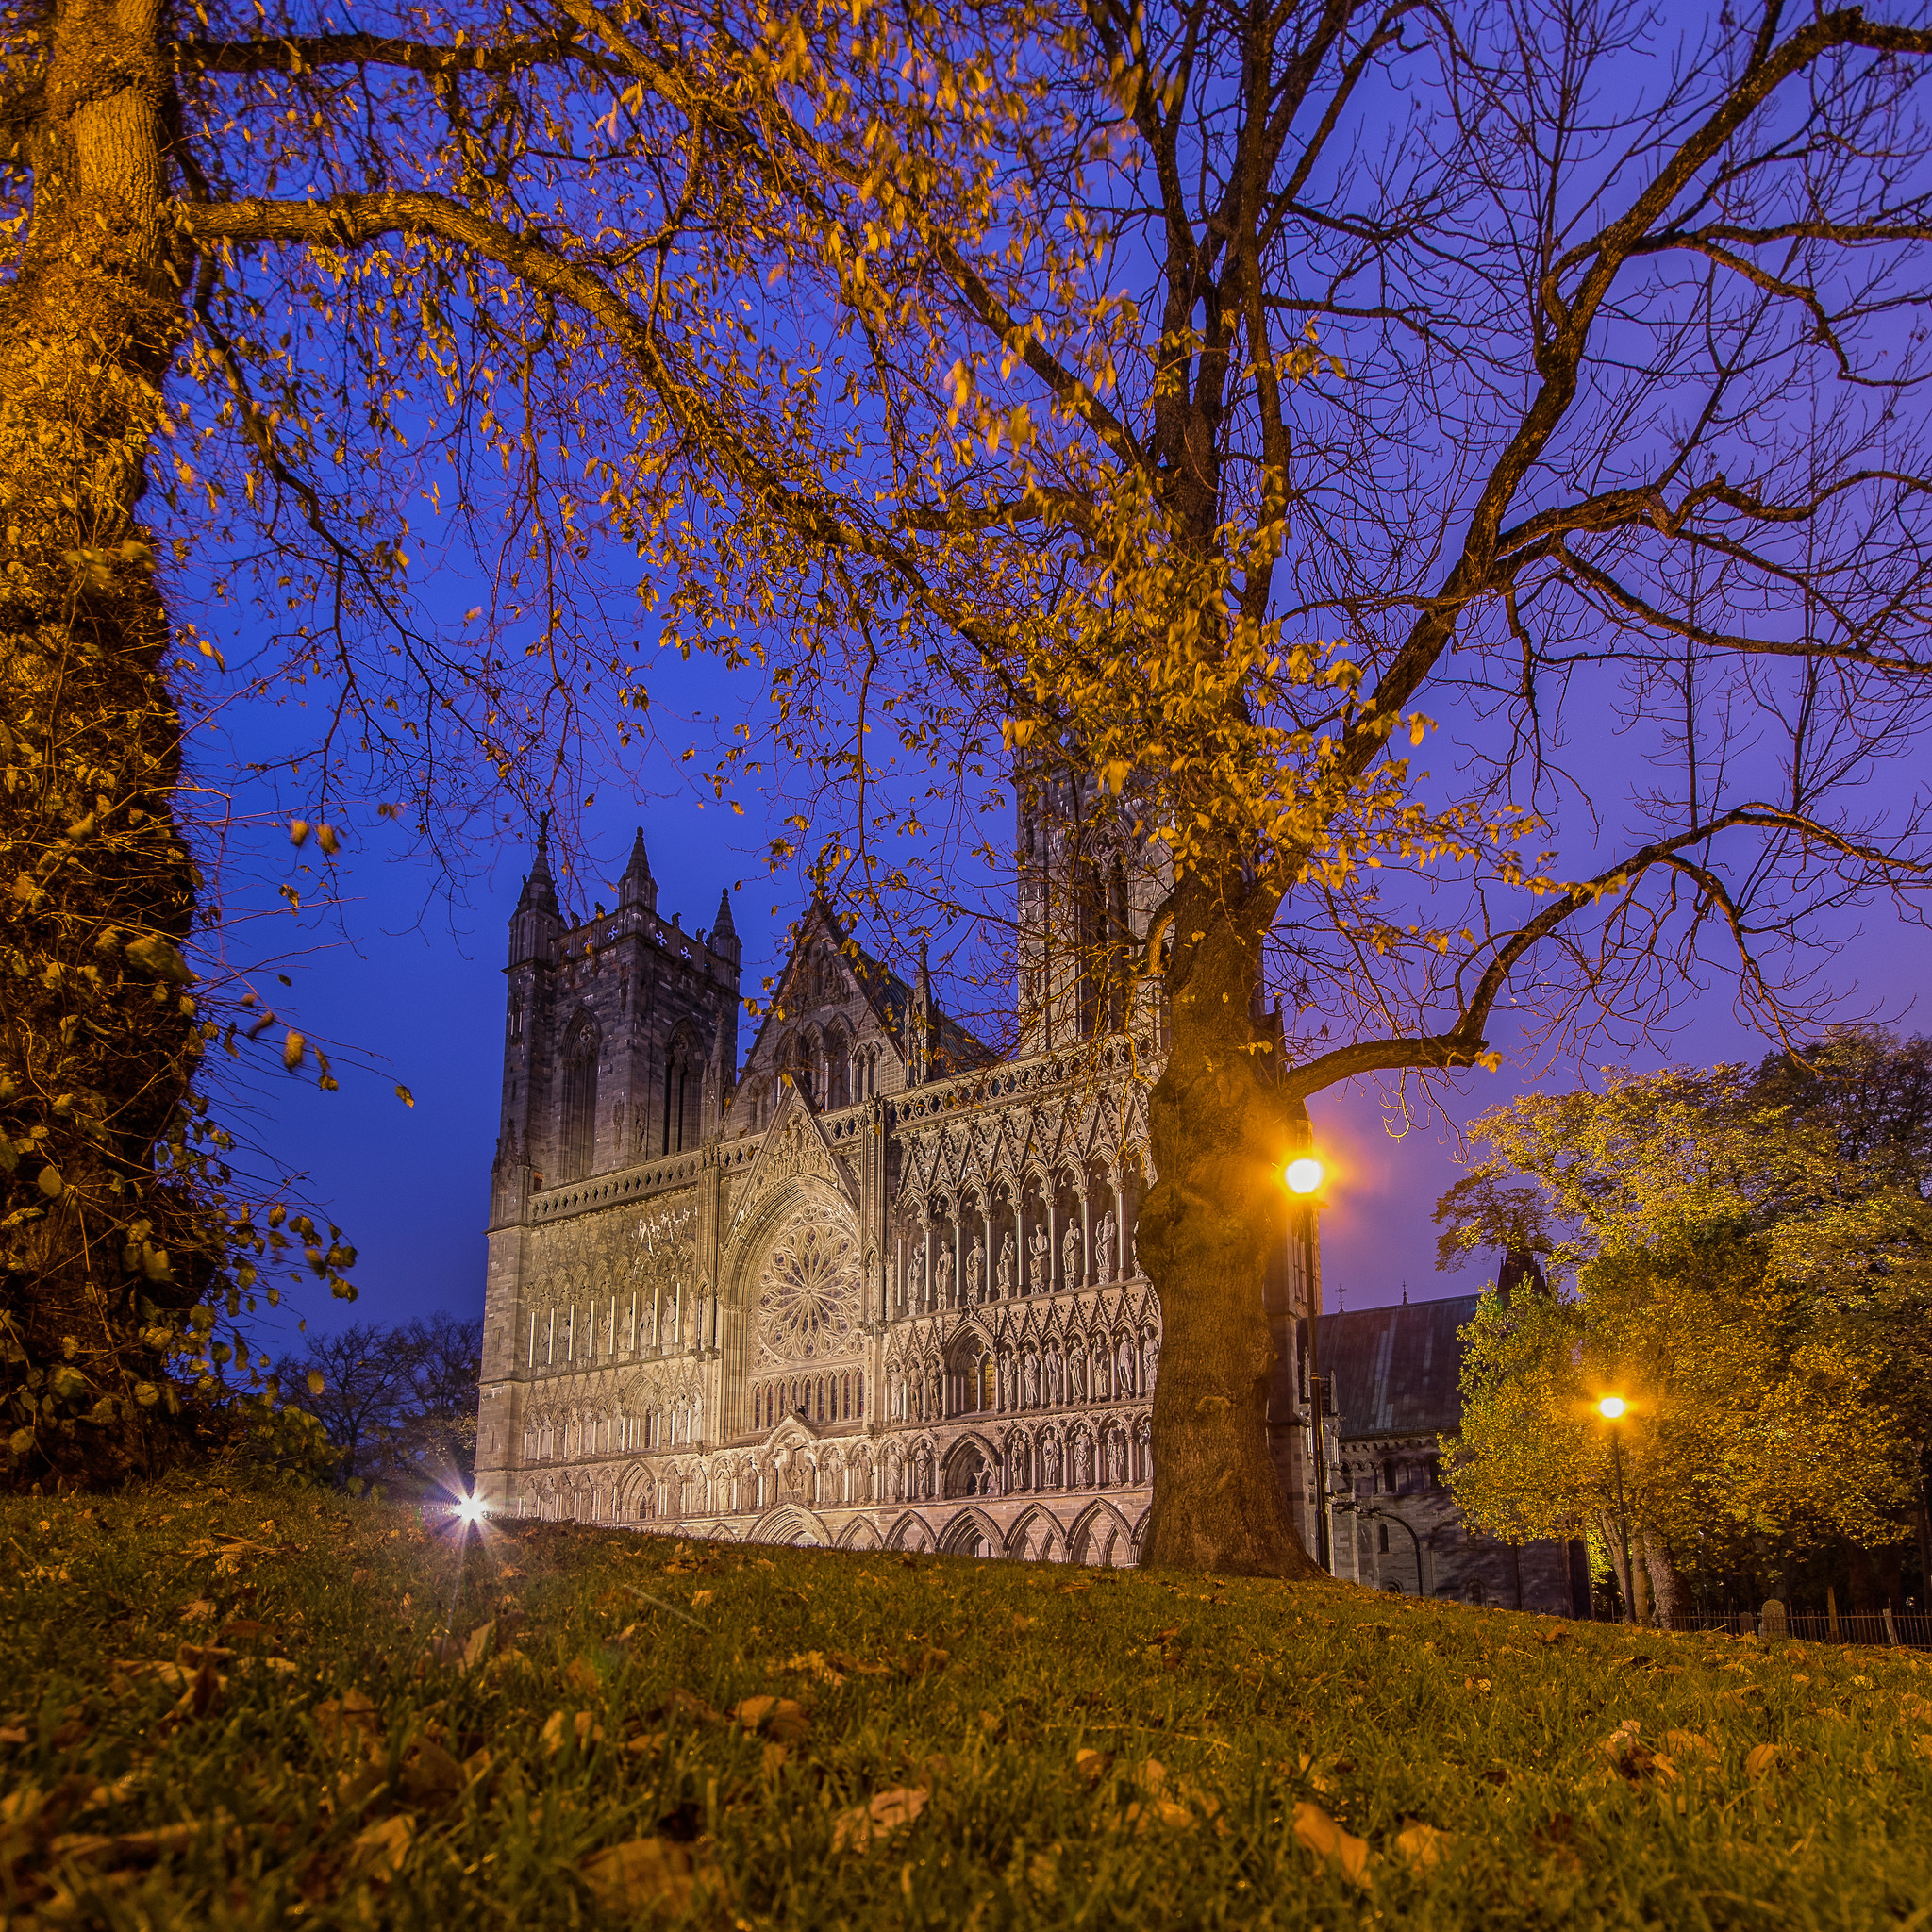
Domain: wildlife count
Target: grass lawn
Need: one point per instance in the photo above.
(222, 1707)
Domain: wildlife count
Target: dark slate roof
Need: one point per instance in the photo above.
(1398, 1372)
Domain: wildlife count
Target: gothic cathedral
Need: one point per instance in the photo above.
(875, 1287)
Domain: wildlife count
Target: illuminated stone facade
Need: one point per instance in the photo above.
(874, 1289)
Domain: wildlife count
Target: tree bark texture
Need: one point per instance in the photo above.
(1215, 1215)
(104, 1240)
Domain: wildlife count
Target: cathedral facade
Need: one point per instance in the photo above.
(873, 1287)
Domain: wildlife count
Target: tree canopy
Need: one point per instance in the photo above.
(1745, 1257)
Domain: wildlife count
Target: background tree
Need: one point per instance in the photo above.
(1541, 368)
(1753, 1273)
(398, 1402)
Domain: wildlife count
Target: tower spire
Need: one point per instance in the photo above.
(637, 886)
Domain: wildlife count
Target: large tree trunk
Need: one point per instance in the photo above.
(1212, 1220)
(104, 1243)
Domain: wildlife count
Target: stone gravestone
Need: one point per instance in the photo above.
(1772, 1622)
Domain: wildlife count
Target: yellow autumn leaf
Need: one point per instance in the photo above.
(858, 1829)
(1319, 1833)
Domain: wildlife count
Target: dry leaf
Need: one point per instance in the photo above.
(640, 1874)
(699, 1598)
(1923, 1743)
(377, 1854)
(1760, 1759)
(125, 1847)
(1692, 1747)
(1632, 1759)
(198, 1611)
(1326, 1839)
(1556, 1633)
(857, 1830)
(781, 1719)
(430, 1776)
(478, 1644)
(346, 1720)
(582, 1677)
(1421, 1845)
(1092, 1765)
(583, 1729)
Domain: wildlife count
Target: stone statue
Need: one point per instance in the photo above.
(1124, 1371)
(1039, 1263)
(1050, 1462)
(1072, 1273)
(1117, 1459)
(1016, 1464)
(1109, 1229)
(1030, 1379)
(1009, 1255)
(1099, 1388)
(942, 1273)
(915, 1280)
(1056, 1378)
(1083, 1463)
(975, 1271)
(1150, 1355)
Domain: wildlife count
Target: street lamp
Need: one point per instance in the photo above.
(1421, 1584)
(1302, 1176)
(1613, 1408)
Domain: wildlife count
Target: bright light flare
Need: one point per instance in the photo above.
(1611, 1407)
(1304, 1176)
(469, 1510)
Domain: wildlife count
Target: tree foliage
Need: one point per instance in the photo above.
(1752, 1261)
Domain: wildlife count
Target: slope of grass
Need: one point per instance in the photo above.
(225, 1708)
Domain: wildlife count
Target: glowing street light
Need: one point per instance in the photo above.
(469, 1509)
(1304, 1176)
(1613, 1408)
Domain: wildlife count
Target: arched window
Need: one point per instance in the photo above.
(858, 1392)
(845, 1402)
(838, 1069)
(577, 1129)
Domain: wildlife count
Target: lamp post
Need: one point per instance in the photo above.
(1303, 1177)
(1422, 1582)
(1613, 1408)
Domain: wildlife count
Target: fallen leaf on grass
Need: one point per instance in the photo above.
(125, 1847)
(198, 1611)
(346, 1722)
(377, 1854)
(1760, 1759)
(642, 1874)
(583, 1729)
(430, 1776)
(1421, 1845)
(1554, 1634)
(1092, 1765)
(1321, 1835)
(857, 1830)
(1692, 1747)
(1633, 1759)
(581, 1676)
(1923, 1743)
(779, 1719)
(699, 1598)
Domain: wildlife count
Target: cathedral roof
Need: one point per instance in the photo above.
(953, 1049)
(1398, 1372)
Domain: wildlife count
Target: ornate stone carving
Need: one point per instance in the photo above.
(809, 1308)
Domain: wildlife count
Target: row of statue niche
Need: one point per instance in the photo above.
(1080, 1464)
(1033, 1380)
(1039, 1278)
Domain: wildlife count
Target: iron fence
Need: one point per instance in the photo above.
(1906, 1629)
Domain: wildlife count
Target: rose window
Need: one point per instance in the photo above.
(808, 1300)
